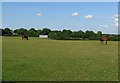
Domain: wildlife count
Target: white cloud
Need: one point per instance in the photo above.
(116, 23)
(75, 14)
(39, 14)
(88, 16)
(115, 17)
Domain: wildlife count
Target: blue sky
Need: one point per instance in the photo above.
(61, 15)
(60, 0)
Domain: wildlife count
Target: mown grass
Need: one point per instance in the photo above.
(58, 60)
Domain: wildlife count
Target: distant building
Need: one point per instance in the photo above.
(43, 36)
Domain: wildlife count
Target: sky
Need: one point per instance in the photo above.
(60, 0)
(95, 16)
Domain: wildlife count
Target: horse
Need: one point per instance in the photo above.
(104, 38)
(24, 37)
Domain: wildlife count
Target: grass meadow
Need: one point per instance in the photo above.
(58, 60)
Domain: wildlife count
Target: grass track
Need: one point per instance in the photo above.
(56, 60)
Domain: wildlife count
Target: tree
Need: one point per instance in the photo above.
(32, 32)
(53, 35)
(3, 32)
(39, 32)
(87, 34)
(45, 31)
(81, 34)
(22, 31)
(67, 31)
(15, 31)
(99, 34)
(114, 37)
(75, 34)
(0, 32)
(7, 32)
(90, 35)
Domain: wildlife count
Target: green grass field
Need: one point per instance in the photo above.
(57, 60)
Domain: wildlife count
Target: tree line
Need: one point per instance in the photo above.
(59, 34)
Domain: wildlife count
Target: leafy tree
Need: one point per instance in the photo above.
(39, 32)
(45, 31)
(7, 32)
(76, 34)
(32, 32)
(81, 34)
(22, 31)
(53, 35)
(2, 31)
(87, 34)
(59, 35)
(15, 31)
(99, 34)
(66, 31)
(114, 37)
(90, 35)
